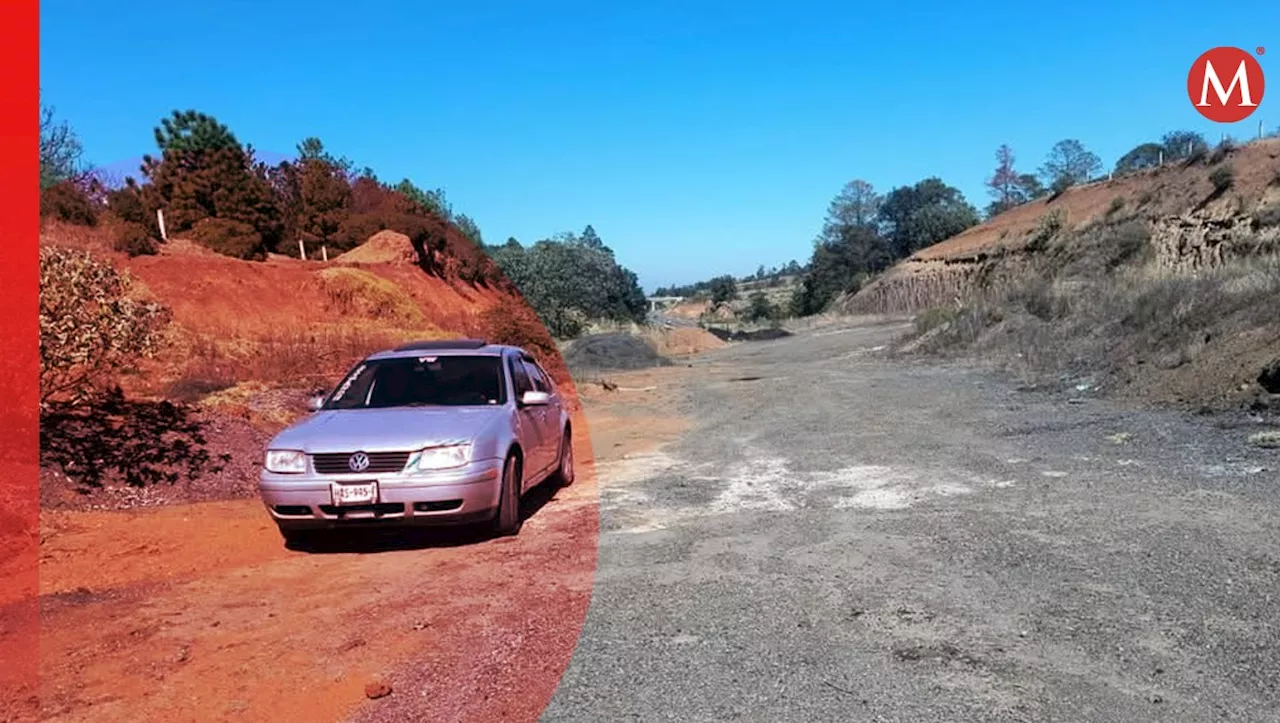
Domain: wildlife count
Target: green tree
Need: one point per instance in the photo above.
(1146, 155)
(193, 131)
(759, 308)
(569, 280)
(723, 290)
(1069, 163)
(1183, 144)
(840, 264)
(469, 229)
(590, 238)
(914, 217)
(203, 172)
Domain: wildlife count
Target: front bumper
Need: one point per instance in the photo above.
(466, 494)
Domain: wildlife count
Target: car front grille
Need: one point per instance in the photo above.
(379, 463)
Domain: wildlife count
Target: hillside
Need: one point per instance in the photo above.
(1190, 229)
(1162, 284)
(247, 341)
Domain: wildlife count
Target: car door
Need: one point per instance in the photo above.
(549, 416)
(530, 420)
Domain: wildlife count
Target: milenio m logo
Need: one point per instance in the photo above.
(1226, 84)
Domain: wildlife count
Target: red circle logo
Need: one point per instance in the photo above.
(1225, 84)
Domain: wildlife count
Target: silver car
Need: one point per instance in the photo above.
(427, 433)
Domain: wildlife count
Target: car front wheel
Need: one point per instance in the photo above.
(507, 521)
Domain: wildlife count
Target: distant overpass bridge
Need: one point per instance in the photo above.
(661, 303)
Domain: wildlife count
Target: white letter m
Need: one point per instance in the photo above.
(1241, 77)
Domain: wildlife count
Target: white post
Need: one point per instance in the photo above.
(160, 219)
(1261, 127)
(324, 252)
(1161, 157)
(302, 250)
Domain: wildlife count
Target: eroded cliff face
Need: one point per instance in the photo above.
(1190, 227)
(1223, 230)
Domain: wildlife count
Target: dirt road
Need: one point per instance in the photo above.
(846, 537)
(197, 612)
(789, 530)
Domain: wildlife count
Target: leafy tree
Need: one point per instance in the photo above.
(569, 280)
(1146, 155)
(431, 201)
(723, 290)
(1031, 187)
(590, 239)
(61, 153)
(203, 172)
(192, 131)
(312, 149)
(1183, 144)
(915, 217)
(1069, 163)
(469, 229)
(315, 194)
(841, 263)
(857, 204)
(760, 308)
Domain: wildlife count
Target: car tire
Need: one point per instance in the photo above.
(506, 521)
(565, 471)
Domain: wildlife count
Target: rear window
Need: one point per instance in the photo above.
(444, 381)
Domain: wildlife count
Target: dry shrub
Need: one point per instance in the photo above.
(68, 201)
(230, 238)
(91, 325)
(134, 239)
(1267, 216)
(352, 291)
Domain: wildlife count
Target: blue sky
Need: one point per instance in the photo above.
(698, 138)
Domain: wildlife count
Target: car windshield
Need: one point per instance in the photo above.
(447, 381)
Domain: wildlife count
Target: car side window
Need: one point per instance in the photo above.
(535, 374)
(540, 376)
(519, 377)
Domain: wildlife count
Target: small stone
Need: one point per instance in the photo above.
(1157, 699)
(376, 690)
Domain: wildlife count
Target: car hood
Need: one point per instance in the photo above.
(386, 430)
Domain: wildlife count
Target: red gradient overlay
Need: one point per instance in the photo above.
(19, 435)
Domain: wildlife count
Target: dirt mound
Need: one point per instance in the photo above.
(683, 341)
(756, 335)
(600, 352)
(384, 247)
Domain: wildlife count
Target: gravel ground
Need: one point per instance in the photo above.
(847, 537)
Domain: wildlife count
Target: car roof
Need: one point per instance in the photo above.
(446, 347)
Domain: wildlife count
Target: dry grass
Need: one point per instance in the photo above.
(355, 292)
(1196, 337)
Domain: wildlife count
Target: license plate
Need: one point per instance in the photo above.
(354, 493)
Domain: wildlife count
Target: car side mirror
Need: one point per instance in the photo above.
(535, 399)
(315, 403)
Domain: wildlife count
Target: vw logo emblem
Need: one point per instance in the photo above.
(358, 462)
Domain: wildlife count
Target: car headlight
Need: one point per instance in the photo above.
(436, 458)
(286, 461)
